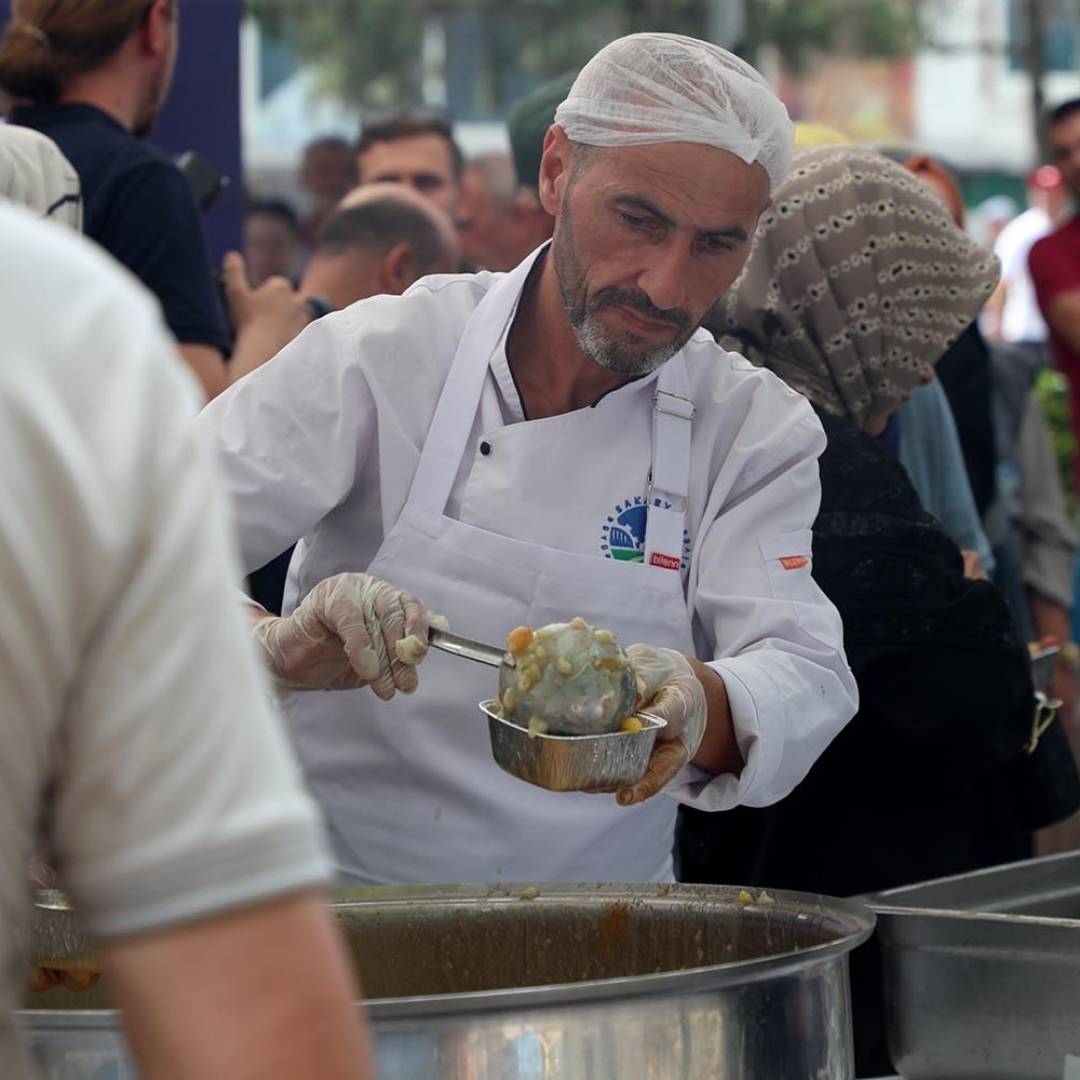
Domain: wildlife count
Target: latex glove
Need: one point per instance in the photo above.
(351, 630)
(668, 688)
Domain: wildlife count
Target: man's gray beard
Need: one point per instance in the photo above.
(598, 347)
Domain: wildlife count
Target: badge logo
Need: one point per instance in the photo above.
(794, 562)
(623, 533)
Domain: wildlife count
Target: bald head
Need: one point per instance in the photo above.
(381, 239)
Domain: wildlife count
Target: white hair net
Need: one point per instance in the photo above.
(652, 88)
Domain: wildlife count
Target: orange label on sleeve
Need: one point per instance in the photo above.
(794, 562)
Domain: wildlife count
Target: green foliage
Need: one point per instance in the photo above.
(1052, 392)
(369, 51)
(801, 29)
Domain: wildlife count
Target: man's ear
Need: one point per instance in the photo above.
(399, 269)
(554, 168)
(157, 28)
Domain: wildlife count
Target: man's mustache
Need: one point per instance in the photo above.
(613, 296)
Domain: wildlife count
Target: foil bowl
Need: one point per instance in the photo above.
(572, 762)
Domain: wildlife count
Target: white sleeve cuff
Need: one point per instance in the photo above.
(757, 715)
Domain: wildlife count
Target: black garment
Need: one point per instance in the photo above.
(967, 379)
(929, 778)
(139, 207)
(905, 791)
(266, 585)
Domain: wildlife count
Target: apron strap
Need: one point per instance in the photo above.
(669, 483)
(444, 446)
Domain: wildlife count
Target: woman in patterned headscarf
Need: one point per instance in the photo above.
(858, 283)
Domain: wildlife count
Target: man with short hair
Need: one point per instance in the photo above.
(563, 440)
(327, 175)
(382, 239)
(138, 749)
(271, 241)
(499, 220)
(1055, 259)
(92, 76)
(417, 151)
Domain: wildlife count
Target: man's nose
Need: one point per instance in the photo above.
(664, 279)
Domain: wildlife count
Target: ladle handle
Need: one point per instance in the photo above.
(470, 650)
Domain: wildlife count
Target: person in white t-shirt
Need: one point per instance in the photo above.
(1013, 312)
(138, 751)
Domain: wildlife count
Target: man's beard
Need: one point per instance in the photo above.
(624, 357)
(147, 115)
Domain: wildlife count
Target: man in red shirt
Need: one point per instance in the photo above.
(1055, 259)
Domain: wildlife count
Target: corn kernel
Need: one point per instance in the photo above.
(537, 727)
(578, 623)
(631, 725)
(563, 666)
(517, 641)
(604, 637)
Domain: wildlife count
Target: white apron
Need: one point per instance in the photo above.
(409, 788)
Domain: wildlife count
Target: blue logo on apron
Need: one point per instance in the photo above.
(623, 534)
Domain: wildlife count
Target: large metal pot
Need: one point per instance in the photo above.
(653, 982)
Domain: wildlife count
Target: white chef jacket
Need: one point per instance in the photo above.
(321, 444)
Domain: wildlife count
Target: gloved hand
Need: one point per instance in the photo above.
(351, 630)
(667, 687)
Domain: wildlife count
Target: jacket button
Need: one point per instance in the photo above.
(485, 448)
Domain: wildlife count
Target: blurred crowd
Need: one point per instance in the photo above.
(935, 358)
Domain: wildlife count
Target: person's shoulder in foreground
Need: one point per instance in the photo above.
(175, 800)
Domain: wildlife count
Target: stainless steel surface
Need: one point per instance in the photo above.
(982, 972)
(572, 762)
(470, 650)
(567, 982)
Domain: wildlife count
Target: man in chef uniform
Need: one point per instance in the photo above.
(522, 448)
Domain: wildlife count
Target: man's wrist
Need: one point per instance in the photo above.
(719, 750)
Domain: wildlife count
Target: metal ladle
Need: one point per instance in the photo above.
(587, 701)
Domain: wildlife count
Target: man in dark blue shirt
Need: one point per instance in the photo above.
(92, 77)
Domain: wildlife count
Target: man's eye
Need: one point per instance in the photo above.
(633, 220)
(717, 244)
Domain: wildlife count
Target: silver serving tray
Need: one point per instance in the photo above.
(982, 972)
